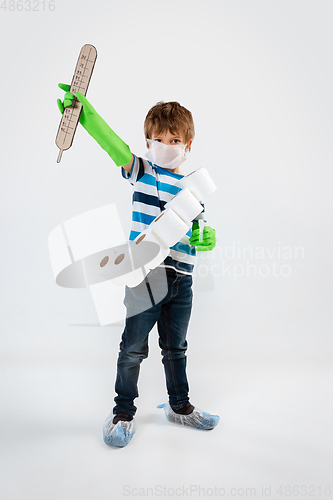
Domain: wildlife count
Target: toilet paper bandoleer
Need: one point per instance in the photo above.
(161, 192)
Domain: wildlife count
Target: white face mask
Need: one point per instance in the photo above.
(166, 156)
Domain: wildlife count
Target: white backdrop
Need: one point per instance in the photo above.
(257, 78)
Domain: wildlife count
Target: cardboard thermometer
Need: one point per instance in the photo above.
(70, 118)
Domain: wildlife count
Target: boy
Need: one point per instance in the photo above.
(169, 132)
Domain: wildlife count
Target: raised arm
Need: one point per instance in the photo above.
(99, 129)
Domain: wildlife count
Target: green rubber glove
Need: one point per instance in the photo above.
(208, 238)
(97, 128)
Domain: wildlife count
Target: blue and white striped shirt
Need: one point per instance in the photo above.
(154, 186)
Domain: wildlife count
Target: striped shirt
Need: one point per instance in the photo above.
(153, 187)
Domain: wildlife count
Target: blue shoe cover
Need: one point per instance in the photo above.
(118, 434)
(197, 419)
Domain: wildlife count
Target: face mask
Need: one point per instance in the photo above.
(166, 156)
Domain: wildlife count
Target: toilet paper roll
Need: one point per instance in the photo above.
(199, 183)
(185, 205)
(148, 250)
(169, 227)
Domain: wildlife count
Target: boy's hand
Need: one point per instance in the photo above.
(68, 97)
(68, 101)
(208, 238)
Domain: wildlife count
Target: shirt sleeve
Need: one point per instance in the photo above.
(136, 172)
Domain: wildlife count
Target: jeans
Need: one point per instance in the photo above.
(172, 315)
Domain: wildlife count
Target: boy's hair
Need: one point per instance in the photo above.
(169, 116)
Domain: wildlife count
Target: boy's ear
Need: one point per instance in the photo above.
(188, 148)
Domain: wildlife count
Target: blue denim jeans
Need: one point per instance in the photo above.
(172, 315)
